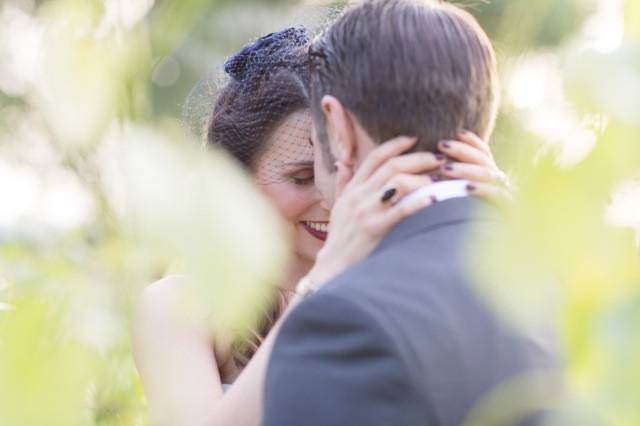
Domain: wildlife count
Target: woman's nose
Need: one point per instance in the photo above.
(320, 199)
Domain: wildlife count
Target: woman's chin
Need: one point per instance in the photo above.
(311, 254)
(309, 242)
(308, 251)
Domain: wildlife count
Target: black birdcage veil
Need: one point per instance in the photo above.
(257, 109)
(258, 112)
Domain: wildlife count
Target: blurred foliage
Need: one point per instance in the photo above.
(90, 98)
(571, 267)
(155, 200)
(519, 25)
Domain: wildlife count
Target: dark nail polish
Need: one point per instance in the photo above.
(448, 167)
(471, 188)
(445, 145)
(441, 157)
(388, 194)
(433, 199)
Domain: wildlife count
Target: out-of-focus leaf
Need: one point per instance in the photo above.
(194, 205)
(631, 18)
(607, 82)
(519, 25)
(46, 376)
(93, 72)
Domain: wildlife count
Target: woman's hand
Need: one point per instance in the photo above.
(471, 158)
(366, 208)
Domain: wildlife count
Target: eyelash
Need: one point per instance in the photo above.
(303, 182)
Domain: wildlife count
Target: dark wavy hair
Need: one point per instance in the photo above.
(269, 82)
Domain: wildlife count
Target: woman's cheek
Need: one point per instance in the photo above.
(289, 199)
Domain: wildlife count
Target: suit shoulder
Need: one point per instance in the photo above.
(330, 309)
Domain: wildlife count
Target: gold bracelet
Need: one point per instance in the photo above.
(305, 287)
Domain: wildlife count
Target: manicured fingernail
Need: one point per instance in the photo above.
(440, 157)
(436, 177)
(433, 199)
(471, 188)
(388, 194)
(445, 145)
(448, 167)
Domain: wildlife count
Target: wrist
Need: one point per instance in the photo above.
(324, 269)
(305, 287)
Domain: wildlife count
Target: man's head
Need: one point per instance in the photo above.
(387, 68)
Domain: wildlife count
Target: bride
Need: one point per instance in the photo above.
(261, 119)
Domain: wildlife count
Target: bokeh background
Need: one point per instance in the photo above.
(102, 191)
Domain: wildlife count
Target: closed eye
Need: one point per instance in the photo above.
(301, 172)
(302, 180)
(302, 176)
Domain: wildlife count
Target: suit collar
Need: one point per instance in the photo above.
(438, 215)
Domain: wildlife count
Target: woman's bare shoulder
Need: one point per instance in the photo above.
(169, 309)
(164, 290)
(170, 302)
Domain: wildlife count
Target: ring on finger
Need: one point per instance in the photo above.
(501, 177)
(388, 195)
(506, 183)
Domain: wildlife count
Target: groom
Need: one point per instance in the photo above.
(402, 339)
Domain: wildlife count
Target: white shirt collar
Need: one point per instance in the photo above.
(442, 191)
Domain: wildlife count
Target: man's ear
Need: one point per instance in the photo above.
(340, 129)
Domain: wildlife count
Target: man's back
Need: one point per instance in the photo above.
(402, 338)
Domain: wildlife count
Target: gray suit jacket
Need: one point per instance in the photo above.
(401, 338)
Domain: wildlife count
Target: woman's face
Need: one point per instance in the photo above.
(284, 172)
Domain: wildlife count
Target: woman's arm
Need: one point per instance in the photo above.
(174, 354)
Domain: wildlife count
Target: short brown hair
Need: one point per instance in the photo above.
(407, 67)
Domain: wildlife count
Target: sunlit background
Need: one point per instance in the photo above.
(103, 191)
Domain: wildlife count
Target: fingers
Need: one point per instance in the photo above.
(382, 223)
(475, 141)
(402, 185)
(488, 191)
(465, 153)
(471, 172)
(485, 181)
(343, 177)
(381, 154)
(416, 163)
(379, 215)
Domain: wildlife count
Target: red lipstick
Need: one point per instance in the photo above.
(320, 235)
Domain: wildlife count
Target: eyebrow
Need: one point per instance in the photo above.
(299, 163)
